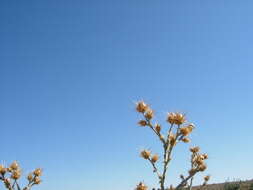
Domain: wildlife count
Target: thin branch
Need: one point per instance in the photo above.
(190, 186)
(155, 170)
(183, 182)
(158, 134)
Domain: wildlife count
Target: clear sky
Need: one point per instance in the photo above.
(70, 72)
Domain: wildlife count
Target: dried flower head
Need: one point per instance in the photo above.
(206, 178)
(145, 154)
(149, 114)
(186, 140)
(14, 166)
(3, 170)
(205, 156)
(9, 176)
(141, 107)
(176, 118)
(172, 140)
(171, 118)
(179, 119)
(194, 149)
(199, 160)
(16, 174)
(30, 177)
(37, 172)
(174, 134)
(142, 123)
(141, 186)
(157, 128)
(191, 126)
(185, 131)
(154, 158)
(202, 167)
(37, 180)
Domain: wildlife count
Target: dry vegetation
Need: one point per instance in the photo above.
(10, 176)
(236, 185)
(177, 130)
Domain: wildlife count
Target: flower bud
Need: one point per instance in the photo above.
(154, 158)
(205, 156)
(142, 123)
(30, 177)
(206, 178)
(145, 154)
(186, 140)
(158, 128)
(172, 140)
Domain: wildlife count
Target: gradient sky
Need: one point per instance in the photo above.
(70, 72)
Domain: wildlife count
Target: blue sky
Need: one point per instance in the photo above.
(70, 72)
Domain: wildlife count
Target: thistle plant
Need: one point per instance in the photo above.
(10, 176)
(177, 131)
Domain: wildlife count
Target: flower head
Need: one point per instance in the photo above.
(176, 118)
(141, 186)
(171, 118)
(14, 166)
(184, 131)
(157, 128)
(154, 158)
(149, 114)
(179, 119)
(186, 140)
(37, 180)
(205, 156)
(142, 123)
(37, 172)
(3, 170)
(199, 160)
(172, 140)
(16, 174)
(202, 167)
(206, 178)
(141, 107)
(30, 177)
(145, 154)
(194, 149)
